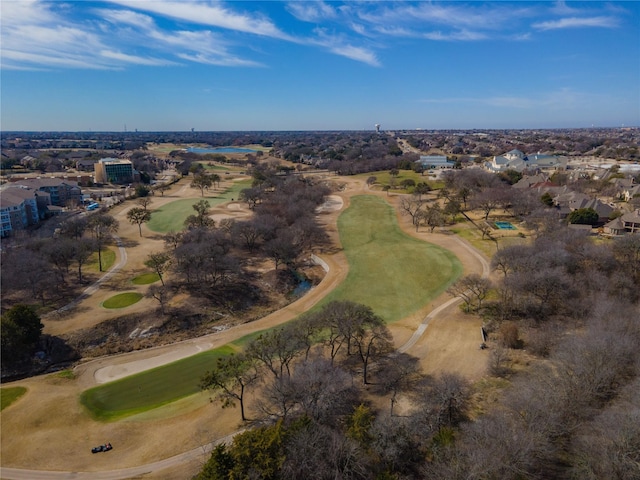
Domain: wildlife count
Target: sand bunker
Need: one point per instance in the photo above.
(333, 203)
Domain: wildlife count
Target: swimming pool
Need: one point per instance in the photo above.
(505, 226)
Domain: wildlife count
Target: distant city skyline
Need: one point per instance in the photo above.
(166, 65)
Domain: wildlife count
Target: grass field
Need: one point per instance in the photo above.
(214, 167)
(470, 233)
(389, 271)
(384, 178)
(108, 259)
(151, 389)
(171, 217)
(8, 395)
(145, 279)
(122, 300)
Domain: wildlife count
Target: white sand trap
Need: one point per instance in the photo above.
(221, 216)
(115, 372)
(333, 203)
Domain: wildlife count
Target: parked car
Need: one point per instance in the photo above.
(101, 448)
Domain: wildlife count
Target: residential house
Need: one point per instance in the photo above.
(631, 192)
(533, 181)
(631, 221)
(615, 227)
(569, 201)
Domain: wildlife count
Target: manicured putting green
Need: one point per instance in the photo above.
(9, 395)
(145, 279)
(171, 217)
(152, 388)
(122, 300)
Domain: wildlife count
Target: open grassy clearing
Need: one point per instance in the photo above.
(108, 259)
(145, 279)
(122, 300)
(9, 395)
(488, 247)
(171, 217)
(213, 166)
(151, 389)
(393, 273)
(384, 178)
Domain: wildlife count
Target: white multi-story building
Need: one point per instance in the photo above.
(18, 208)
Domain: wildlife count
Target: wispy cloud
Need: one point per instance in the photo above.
(45, 34)
(578, 22)
(133, 59)
(457, 16)
(33, 36)
(562, 98)
(202, 46)
(340, 46)
(460, 35)
(211, 14)
(311, 11)
(36, 36)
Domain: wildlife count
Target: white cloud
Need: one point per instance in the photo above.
(339, 46)
(133, 59)
(127, 17)
(454, 15)
(207, 13)
(356, 53)
(223, 61)
(461, 35)
(560, 99)
(200, 47)
(577, 22)
(311, 11)
(37, 35)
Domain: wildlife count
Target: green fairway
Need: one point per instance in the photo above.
(214, 167)
(122, 300)
(151, 389)
(8, 395)
(171, 217)
(145, 279)
(391, 272)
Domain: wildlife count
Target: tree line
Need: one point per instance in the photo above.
(314, 417)
(562, 320)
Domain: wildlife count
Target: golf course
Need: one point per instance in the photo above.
(408, 273)
(137, 400)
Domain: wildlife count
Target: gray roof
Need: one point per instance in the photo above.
(46, 182)
(12, 196)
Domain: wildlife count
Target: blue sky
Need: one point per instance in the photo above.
(160, 65)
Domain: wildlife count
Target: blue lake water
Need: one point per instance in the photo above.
(220, 150)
